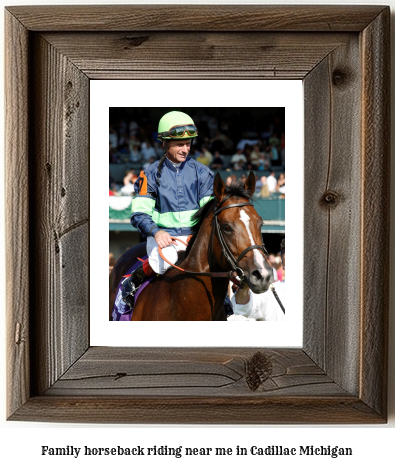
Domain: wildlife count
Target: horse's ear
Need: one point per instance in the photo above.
(219, 187)
(249, 183)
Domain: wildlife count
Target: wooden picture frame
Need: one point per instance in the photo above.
(340, 373)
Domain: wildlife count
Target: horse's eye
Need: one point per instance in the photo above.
(226, 228)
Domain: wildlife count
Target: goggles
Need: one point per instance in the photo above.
(179, 131)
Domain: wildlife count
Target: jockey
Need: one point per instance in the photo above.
(168, 194)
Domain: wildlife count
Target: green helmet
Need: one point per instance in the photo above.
(176, 125)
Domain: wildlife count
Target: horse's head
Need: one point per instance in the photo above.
(238, 233)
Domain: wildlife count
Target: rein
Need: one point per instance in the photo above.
(236, 270)
(230, 275)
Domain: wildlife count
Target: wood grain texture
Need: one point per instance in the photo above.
(198, 410)
(375, 211)
(17, 213)
(194, 386)
(191, 372)
(196, 55)
(339, 376)
(332, 223)
(60, 213)
(196, 17)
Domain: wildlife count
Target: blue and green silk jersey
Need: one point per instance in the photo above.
(171, 205)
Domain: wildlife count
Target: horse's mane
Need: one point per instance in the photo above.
(235, 188)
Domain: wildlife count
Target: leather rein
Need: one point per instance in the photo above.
(236, 270)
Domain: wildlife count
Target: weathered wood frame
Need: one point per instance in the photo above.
(340, 374)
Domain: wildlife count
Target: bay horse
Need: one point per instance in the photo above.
(228, 243)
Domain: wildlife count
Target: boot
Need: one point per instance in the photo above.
(131, 284)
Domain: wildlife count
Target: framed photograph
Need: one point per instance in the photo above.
(259, 110)
(339, 374)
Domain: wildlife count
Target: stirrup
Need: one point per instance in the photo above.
(128, 292)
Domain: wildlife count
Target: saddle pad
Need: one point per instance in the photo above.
(122, 311)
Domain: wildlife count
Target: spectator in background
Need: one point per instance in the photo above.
(201, 158)
(272, 182)
(113, 190)
(274, 141)
(133, 140)
(281, 185)
(272, 260)
(130, 177)
(147, 151)
(133, 128)
(238, 160)
(258, 185)
(128, 184)
(123, 141)
(264, 192)
(230, 179)
(135, 155)
(218, 163)
(264, 160)
(281, 266)
(255, 157)
(207, 154)
(275, 158)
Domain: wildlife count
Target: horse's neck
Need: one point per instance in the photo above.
(197, 259)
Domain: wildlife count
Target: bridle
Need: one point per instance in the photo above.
(228, 255)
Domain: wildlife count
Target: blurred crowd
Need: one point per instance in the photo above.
(232, 141)
(265, 186)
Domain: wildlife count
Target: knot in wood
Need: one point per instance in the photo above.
(330, 199)
(340, 77)
(259, 369)
(135, 41)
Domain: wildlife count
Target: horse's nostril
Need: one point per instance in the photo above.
(257, 275)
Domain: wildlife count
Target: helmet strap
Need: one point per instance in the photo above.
(160, 166)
